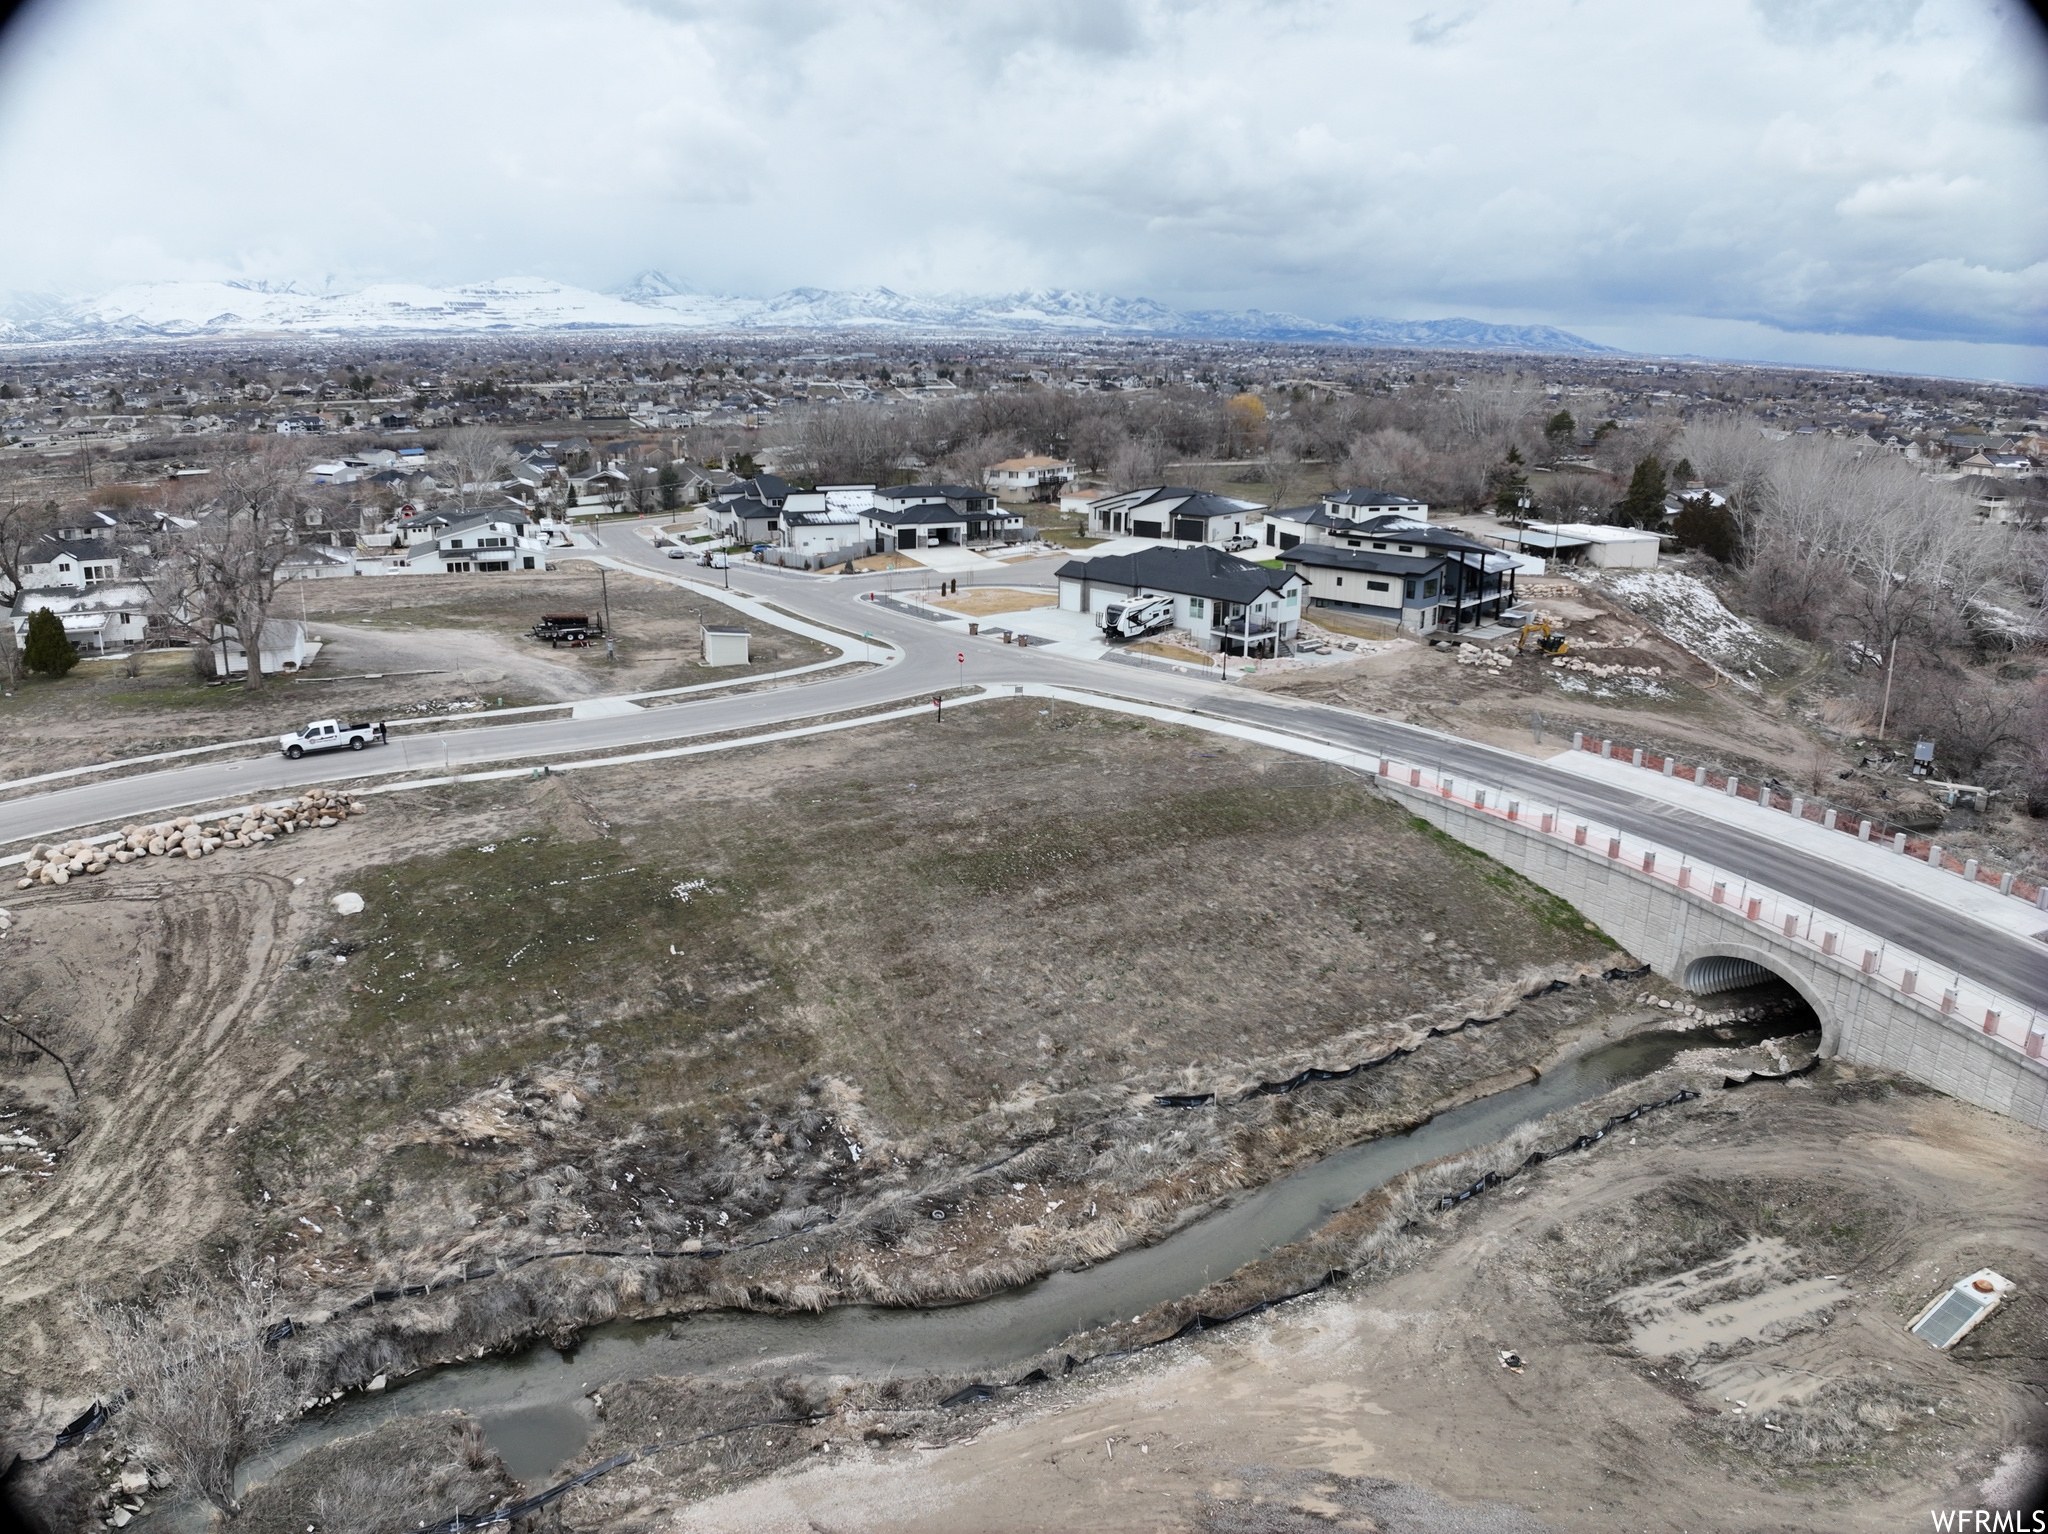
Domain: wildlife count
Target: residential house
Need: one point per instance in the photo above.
(483, 543)
(105, 614)
(1336, 517)
(1433, 590)
(1225, 603)
(57, 563)
(1170, 511)
(1035, 478)
(825, 523)
(910, 517)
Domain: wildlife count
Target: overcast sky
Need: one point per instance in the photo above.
(1862, 182)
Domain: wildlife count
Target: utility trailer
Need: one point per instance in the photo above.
(572, 629)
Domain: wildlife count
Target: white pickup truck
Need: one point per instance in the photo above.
(330, 735)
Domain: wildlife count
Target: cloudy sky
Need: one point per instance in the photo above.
(1862, 182)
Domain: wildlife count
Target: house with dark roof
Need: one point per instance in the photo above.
(1331, 518)
(1225, 603)
(1171, 511)
(904, 518)
(1410, 576)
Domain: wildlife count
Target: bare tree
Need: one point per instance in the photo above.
(1138, 461)
(472, 457)
(220, 571)
(27, 516)
(204, 1385)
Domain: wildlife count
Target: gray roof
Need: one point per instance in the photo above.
(1360, 496)
(1197, 572)
(1397, 529)
(1322, 556)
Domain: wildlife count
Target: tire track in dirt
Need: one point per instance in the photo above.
(147, 1175)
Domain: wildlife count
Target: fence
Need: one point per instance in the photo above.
(1826, 938)
(1863, 827)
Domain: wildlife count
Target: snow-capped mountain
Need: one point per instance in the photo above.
(654, 302)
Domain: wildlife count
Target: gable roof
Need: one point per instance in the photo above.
(1176, 500)
(1196, 572)
(927, 492)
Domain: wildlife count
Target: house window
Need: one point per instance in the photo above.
(1196, 607)
(1429, 587)
(1409, 590)
(1405, 549)
(1375, 585)
(1379, 545)
(1340, 580)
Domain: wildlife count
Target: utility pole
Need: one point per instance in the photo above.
(605, 587)
(1891, 665)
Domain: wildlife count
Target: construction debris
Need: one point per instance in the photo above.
(190, 836)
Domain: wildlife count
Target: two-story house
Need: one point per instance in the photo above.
(1334, 515)
(910, 517)
(483, 543)
(1411, 576)
(1033, 477)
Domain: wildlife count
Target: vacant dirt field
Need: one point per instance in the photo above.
(931, 946)
(1799, 1227)
(982, 603)
(468, 633)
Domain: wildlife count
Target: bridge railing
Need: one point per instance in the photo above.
(1828, 938)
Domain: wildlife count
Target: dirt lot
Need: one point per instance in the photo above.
(1708, 1313)
(469, 633)
(981, 603)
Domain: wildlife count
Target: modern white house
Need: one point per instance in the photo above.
(1418, 580)
(910, 517)
(482, 543)
(1225, 603)
(1334, 517)
(1172, 512)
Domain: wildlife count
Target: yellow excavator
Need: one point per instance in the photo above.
(1546, 642)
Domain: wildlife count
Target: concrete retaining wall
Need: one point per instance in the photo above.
(1669, 930)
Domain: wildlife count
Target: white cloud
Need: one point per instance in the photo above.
(1803, 166)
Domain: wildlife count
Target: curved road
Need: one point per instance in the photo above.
(927, 664)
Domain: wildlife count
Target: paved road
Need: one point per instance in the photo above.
(928, 664)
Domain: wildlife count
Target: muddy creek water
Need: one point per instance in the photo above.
(534, 1405)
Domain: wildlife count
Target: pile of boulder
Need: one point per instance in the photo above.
(1493, 660)
(1594, 668)
(191, 836)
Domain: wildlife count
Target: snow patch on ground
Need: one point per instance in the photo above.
(1686, 610)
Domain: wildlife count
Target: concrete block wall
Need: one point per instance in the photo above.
(1860, 1020)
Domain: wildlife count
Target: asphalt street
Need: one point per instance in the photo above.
(929, 664)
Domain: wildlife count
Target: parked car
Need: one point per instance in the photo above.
(1239, 544)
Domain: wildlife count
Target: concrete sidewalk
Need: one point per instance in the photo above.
(1871, 860)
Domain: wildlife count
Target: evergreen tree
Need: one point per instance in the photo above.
(1682, 474)
(1711, 529)
(1643, 506)
(46, 649)
(1561, 430)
